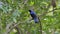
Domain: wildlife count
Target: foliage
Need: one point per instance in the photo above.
(15, 12)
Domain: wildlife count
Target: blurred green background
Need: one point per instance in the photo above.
(14, 17)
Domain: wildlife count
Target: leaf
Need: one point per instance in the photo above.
(32, 3)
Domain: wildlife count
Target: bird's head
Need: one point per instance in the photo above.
(29, 10)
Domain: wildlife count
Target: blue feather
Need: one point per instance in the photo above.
(33, 15)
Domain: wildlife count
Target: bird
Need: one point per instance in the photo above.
(34, 16)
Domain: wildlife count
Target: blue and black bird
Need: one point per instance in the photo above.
(34, 16)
